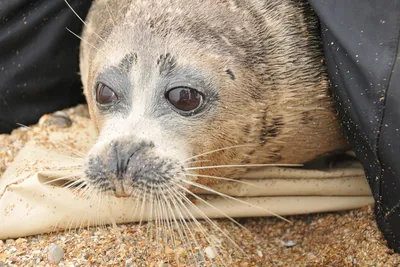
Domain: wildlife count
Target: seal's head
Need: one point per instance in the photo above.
(167, 81)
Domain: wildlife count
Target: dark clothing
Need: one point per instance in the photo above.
(38, 59)
(361, 45)
(39, 66)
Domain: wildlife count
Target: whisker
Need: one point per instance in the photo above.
(76, 14)
(235, 199)
(198, 223)
(64, 168)
(182, 222)
(79, 188)
(63, 177)
(88, 190)
(179, 202)
(86, 42)
(244, 166)
(133, 193)
(221, 178)
(217, 150)
(74, 183)
(164, 222)
(169, 207)
(153, 213)
(166, 225)
(213, 223)
(142, 209)
(215, 208)
(109, 12)
(198, 161)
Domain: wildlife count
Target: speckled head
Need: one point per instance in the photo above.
(168, 80)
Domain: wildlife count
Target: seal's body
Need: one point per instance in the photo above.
(167, 80)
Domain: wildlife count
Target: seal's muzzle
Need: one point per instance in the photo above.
(131, 169)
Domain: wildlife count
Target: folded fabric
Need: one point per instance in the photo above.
(30, 203)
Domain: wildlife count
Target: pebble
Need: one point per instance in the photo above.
(289, 243)
(210, 253)
(55, 254)
(168, 250)
(10, 241)
(200, 257)
(181, 252)
(1, 242)
(127, 238)
(21, 240)
(59, 118)
(162, 264)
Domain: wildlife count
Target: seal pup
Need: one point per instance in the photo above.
(185, 93)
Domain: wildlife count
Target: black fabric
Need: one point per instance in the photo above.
(38, 59)
(361, 45)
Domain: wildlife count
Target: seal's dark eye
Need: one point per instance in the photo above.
(105, 95)
(184, 99)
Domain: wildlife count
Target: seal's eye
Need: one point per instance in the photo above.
(184, 99)
(105, 95)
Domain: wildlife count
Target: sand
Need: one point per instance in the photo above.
(332, 239)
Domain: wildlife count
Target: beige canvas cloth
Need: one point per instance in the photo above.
(30, 205)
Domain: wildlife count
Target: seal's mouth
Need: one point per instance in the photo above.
(129, 169)
(121, 191)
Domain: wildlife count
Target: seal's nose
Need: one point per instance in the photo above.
(129, 169)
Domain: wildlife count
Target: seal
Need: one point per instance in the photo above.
(185, 92)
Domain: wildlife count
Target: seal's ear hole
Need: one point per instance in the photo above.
(105, 95)
(231, 74)
(184, 99)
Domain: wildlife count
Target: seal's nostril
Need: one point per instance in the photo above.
(127, 162)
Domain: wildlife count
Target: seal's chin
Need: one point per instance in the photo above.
(125, 168)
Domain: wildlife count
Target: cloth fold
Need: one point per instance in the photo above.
(35, 200)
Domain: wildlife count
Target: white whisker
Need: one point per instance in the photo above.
(76, 14)
(215, 208)
(235, 199)
(205, 235)
(198, 161)
(64, 177)
(169, 207)
(213, 223)
(244, 166)
(217, 150)
(109, 12)
(178, 201)
(86, 42)
(221, 178)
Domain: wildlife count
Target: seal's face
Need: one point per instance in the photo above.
(167, 81)
(151, 107)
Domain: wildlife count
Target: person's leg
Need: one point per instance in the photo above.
(361, 44)
(38, 59)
